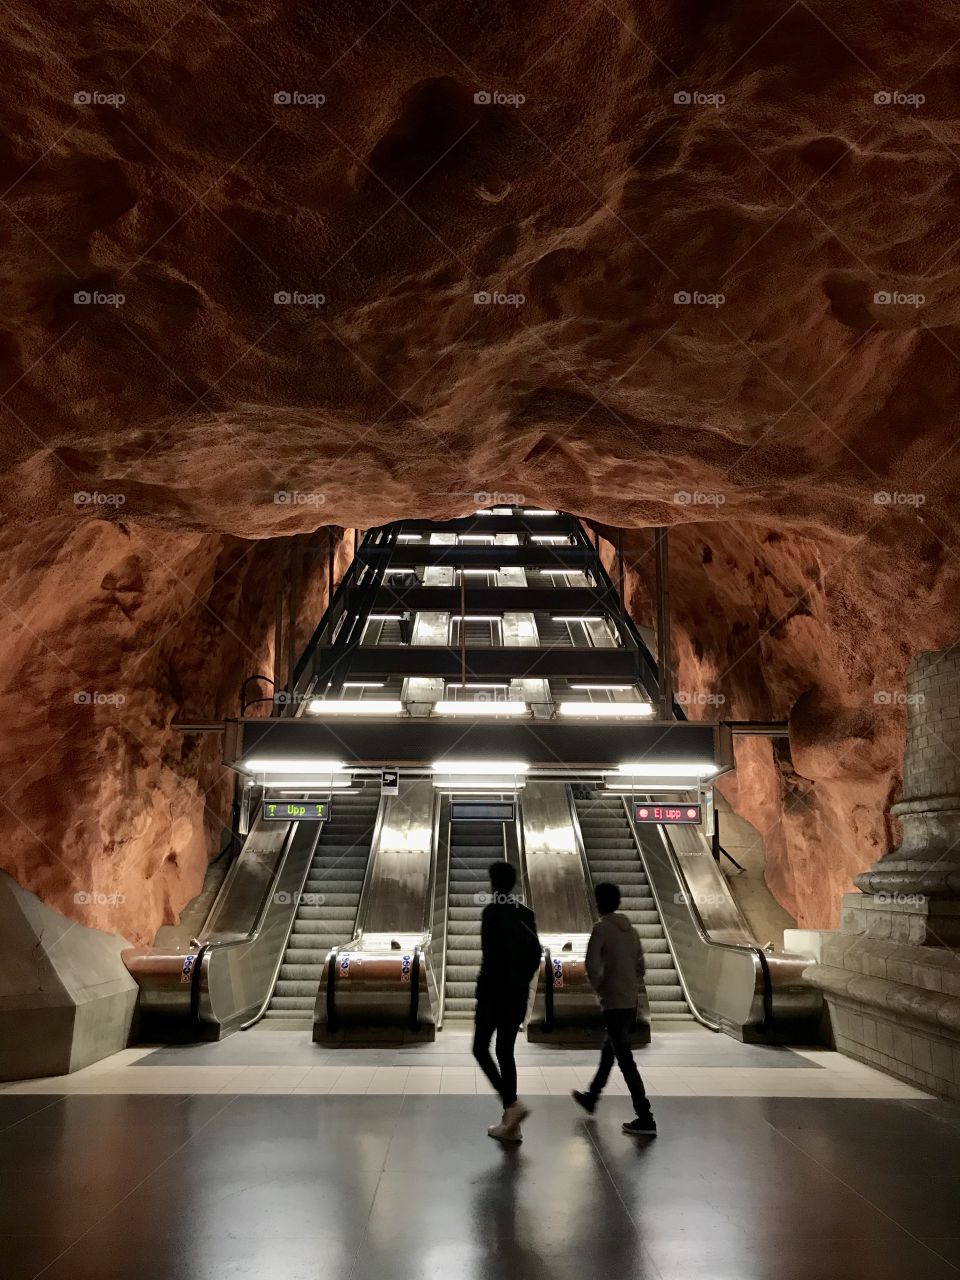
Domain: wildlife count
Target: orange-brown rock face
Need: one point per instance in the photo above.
(276, 266)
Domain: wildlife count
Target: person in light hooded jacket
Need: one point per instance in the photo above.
(615, 968)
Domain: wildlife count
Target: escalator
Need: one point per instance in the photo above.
(326, 915)
(473, 846)
(612, 855)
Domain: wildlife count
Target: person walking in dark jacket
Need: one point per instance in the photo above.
(615, 968)
(510, 957)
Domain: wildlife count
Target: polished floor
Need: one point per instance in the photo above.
(298, 1187)
(682, 1061)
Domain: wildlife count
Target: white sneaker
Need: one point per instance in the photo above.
(515, 1114)
(505, 1132)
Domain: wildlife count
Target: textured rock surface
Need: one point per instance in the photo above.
(109, 633)
(187, 408)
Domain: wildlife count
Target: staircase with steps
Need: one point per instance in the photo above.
(612, 855)
(337, 872)
(552, 634)
(473, 846)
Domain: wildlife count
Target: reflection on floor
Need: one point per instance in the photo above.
(410, 1188)
(680, 1062)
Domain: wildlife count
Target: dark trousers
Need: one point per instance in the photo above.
(616, 1047)
(503, 1018)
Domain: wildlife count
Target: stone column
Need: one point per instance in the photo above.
(918, 884)
(890, 974)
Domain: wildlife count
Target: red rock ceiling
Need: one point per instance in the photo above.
(188, 407)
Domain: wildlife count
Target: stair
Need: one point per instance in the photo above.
(612, 855)
(337, 871)
(552, 634)
(473, 846)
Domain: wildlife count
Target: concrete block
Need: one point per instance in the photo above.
(66, 998)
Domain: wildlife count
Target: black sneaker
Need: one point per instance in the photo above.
(585, 1100)
(641, 1128)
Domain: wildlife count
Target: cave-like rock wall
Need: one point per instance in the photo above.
(110, 632)
(769, 625)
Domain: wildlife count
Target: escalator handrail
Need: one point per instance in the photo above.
(415, 989)
(365, 890)
(331, 991)
(282, 949)
(548, 992)
(742, 948)
(442, 985)
(229, 876)
(217, 944)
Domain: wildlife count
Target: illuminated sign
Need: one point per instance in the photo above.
(296, 810)
(665, 814)
(482, 811)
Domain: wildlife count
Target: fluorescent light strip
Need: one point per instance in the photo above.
(475, 537)
(610, 688)
(573, 617)
(606, 710)
(384, 617)
(507, 707)
(363, 684)
(480, 767)
(668, 769)
(409, 537)
(259, 764)
(355, 707)
(642, 788)
(550, 537)
(477, 617)
(537, 511)
(498, 684)
(479, 786)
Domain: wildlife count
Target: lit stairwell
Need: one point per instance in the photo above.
(339, 865)
(473, 846)
(612, 856)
